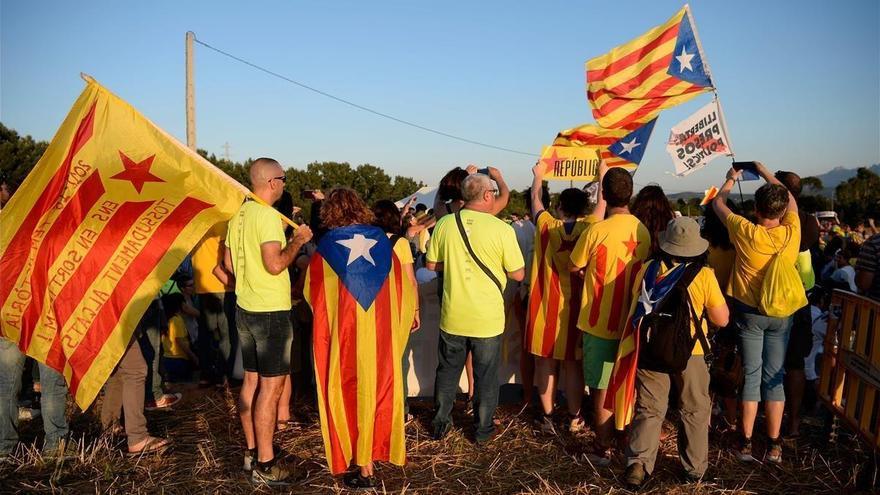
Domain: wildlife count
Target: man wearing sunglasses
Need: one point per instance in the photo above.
(258, 255)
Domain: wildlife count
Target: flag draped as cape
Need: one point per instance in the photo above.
(363, 305)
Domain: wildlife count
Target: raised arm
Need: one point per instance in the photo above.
(719, 204)
(503, 190)
(537, 204)
(601, 204)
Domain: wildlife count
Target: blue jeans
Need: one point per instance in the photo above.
(452, 351)
(764, 341)
(53, 404)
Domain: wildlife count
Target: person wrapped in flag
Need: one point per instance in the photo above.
(641, 386)
(364, 306)
(554, 300)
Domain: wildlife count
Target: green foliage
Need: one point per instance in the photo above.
(859, 197)
(18, 155)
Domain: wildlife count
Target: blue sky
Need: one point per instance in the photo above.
(799, 80)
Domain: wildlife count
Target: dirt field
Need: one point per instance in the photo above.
(207, 455)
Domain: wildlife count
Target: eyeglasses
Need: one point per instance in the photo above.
(282, 178)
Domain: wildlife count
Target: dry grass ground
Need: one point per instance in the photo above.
(206, 458)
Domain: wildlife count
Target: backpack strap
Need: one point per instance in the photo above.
(467, 244)
(691, 270)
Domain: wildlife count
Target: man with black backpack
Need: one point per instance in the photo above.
(477, 252)
(677, 293)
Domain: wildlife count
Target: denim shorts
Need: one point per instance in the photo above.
(265, 339)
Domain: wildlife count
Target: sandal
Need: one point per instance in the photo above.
(151, 446)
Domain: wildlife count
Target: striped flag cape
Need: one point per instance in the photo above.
(621, 396)
(660, 69)
(622, 147)
(363, 307)
(555, 292)
(100, 223)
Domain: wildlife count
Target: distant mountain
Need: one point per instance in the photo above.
(835, 176)
(830, 180)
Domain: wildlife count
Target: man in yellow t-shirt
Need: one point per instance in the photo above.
(472, 311)
(610, 255)
(258, 255)
(764, 339)
(216, 289)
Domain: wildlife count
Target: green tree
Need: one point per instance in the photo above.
(859, 197)
(18, 155)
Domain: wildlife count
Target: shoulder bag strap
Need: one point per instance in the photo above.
(467, 244)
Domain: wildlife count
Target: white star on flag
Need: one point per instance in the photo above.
(359, 247)
(684, 60)
(628, 147)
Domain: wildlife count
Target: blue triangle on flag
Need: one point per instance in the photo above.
(632, 146)
(687, 63)
(361, 257)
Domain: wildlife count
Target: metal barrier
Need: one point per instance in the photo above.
(850, 380)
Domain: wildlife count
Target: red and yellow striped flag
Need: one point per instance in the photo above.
(660, 69)
(363, 306)
(100, 223)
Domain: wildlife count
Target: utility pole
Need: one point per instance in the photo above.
(190, 94)
(226, 151)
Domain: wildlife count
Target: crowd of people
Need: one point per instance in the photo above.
(588, 271)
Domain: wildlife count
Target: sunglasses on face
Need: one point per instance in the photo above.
(282, 178)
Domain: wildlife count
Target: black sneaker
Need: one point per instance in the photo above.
(441, 432)
(634, 475)
(354, 481)
(545, 423)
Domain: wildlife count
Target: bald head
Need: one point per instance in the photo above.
(267, 179)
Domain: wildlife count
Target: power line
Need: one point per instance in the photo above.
(355, 105)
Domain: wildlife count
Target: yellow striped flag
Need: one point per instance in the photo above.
(100, 223)
(622, 147)
(660, 69)
(363, 306)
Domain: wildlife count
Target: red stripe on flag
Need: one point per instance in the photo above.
(650, 106)
(91, 266)
(574, 305)
(624, 88)
(617, 301)
(385, 385)
(537, 294)
(321, 346)
(632, 57)
(56, 238)
(598, 284)
(551, 319)
(346, 317)
(135, 274)
(618, 101)
(397, 268)
(17, 251)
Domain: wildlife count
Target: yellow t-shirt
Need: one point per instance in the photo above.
(613, 251)
(423, 239)
(207, 255)
(403, 251)
(721, 261)
(176, 330)
(705, 293)
(255, 288)
(755, 247)
(472, 304)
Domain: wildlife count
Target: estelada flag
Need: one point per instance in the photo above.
(555, 292)
(100, 223)
(660, 69)
(363, 306)
(621, 396)
(623, 147)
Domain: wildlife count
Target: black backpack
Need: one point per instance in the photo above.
(666, 342)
